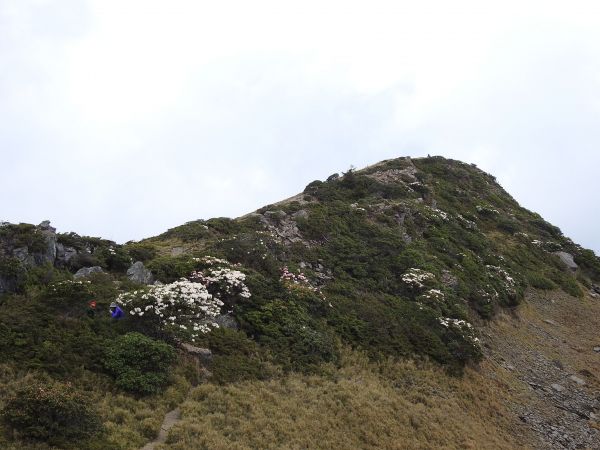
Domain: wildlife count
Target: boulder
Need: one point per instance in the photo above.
(87, 271)
(138, 273)
(567, 259)
(227, 321)
(577, 380)
(300, 214)
(203, 354)
(64, 255)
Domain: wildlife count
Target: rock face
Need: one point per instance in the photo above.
(64, 255)
(283, 225)
(406, 174)
(227, 321)
(49, 234)
(87, 271)
(138, 273)
(567, 260)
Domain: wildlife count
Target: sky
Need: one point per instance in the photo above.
(124, 118)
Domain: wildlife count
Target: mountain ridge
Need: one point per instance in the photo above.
(407, 260)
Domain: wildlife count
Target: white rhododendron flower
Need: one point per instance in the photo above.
(416, 278)
(189, 307)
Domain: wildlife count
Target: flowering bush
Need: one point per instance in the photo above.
(51, 413)
(461, 341)
(432, 296)
(225, 283)
(184, 308)
(189, 307)
(69, 292)
(417, 278)
(298, 281)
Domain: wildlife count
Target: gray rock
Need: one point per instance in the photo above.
(550, 322)
(577, 380)
(176, 251)
(49, 234)
(138, 273)
(87, 271)
(567, 260)
(597, 349)
(64, 254)
(203, 354)
(557, 387)
(227, 321)
(301, 214)
(23, 255)
(275, 215)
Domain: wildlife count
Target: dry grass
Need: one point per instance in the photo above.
(394, 405)
(129, 422)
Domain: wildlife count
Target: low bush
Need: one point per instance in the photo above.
(53, 413)
(541, 282)
(235, 357)
(138, 363)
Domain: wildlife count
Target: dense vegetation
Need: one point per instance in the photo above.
(399, 261)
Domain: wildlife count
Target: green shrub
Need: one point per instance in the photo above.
(142, 251)
(138, 363)
(540, 282)
(114, 258)
(23, 235)
(296, 340)
(68, 293)
(168, 269)
(54, 413)
(235, 357)
(13, 273)
(567, 283)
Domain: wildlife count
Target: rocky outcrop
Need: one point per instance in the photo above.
(87, 271)
(204, 355)
(283, 226)
(227, 321)
(64, 254)
(49, 233)
(138, 273)
(568, 260)
(404, 175)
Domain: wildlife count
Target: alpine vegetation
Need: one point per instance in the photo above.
(379, 308)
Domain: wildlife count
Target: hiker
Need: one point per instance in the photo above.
(115, 311)
(91, 311)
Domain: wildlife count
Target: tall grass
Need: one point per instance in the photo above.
(364, 405)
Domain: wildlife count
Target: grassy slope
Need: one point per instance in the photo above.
(386, 405)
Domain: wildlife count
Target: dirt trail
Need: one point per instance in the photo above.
(171, 418)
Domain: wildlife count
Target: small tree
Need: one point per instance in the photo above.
(139, 364)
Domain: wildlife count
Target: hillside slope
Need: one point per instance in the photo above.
(411, 304)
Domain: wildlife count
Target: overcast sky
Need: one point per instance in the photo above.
(123, 118)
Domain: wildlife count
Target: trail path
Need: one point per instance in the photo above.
(171, 418)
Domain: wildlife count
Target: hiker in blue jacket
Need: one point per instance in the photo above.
(115, 311)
